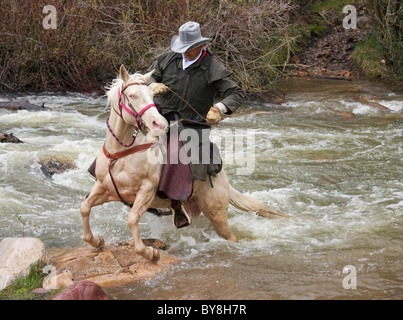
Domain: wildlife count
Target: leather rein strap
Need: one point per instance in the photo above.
(113, 157)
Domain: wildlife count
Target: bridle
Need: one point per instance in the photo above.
(137, 115)
(141, 126)
(113, 157)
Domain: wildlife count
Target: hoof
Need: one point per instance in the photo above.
(101, 243)
(156, 255)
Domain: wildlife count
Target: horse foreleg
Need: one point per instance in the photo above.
(142, 202)
(97, 197)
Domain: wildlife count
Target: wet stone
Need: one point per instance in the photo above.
(115, 265)
(52, 166)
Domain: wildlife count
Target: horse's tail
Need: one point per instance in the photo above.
(245, 203)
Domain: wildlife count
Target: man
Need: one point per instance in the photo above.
(187, 80)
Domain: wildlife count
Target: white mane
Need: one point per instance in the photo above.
(113, 87)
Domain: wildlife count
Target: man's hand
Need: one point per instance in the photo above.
(214, 116)
(158, 88)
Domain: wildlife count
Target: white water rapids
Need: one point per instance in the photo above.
(323, 156)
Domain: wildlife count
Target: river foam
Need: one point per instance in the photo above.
(339, 176)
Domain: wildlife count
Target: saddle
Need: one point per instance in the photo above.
(176, 180)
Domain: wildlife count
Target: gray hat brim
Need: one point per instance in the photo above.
(180, 47)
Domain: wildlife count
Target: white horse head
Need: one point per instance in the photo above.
(131, 97)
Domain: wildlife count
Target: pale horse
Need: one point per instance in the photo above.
(124, 172)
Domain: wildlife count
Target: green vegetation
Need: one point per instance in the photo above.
(21, 288)
(318, 28)
(369, 57)
(385, 42)
(331, 8)
(325, 13)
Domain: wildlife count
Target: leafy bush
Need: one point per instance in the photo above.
(253, 38)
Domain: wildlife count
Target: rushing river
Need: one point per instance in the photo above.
(323, 156)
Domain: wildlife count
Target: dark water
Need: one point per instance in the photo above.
(323, 156)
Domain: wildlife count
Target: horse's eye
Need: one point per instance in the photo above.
(133, 96)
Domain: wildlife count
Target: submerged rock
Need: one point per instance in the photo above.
(22, 105)
(52, 166)
(9, 138)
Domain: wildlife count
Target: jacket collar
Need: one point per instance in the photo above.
(203, 62)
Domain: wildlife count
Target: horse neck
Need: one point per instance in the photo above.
(123, 131)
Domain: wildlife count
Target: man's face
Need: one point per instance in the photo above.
(193, 53)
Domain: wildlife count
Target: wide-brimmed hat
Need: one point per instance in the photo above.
(189, 37)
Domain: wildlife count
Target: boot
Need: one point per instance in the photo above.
(180, 218)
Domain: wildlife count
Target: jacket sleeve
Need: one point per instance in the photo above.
(160, 64)
(157, 74)
(232, 95)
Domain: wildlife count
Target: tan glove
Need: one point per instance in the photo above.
(214, 116)
(158, 88)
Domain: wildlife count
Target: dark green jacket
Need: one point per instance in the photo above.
(200, 85)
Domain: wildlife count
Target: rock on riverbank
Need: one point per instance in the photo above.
(17, 255)
(113, 266)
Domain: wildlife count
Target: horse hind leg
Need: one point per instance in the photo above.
(97, 197)
(216, 212)
(220, 223)
(214, 203)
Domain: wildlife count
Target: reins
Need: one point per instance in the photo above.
(117, 139)
(113, 157)
(191, 107)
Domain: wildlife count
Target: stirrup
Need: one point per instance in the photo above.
(180, 218)
(160, 212)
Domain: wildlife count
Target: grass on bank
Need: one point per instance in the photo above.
(21, 288)
(327, 13)
(369, 57)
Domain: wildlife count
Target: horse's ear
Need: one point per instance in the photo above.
(124, 75)
(149, 76)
